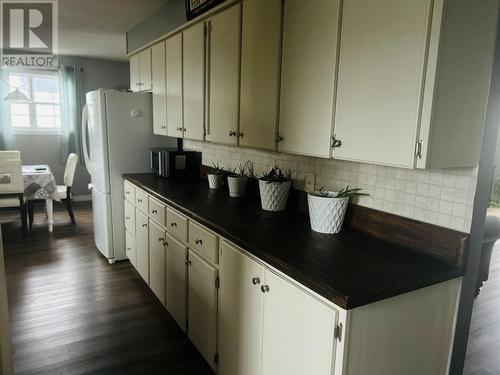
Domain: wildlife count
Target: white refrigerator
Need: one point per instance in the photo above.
(117, 132)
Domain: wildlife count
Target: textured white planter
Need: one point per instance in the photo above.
(215, 181)
(327, 213)
(237, 185)
(274, 195)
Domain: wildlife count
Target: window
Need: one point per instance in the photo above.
(42, 113)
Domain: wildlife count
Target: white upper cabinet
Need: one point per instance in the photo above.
(309, 61)
(395, 104)
(381, 70)
(223, 76)
(140, 71)
(159, 85)
(175, 125)
(135, 74)
(145, 69)
(193, 63)
(260, 68)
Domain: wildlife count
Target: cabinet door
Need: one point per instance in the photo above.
(177, 281)
(142, 244)
(193, 78)
(260, 64)
(145, 69)
(157, 244)
(381, 67)
(135, 74)
(224, 76)
(159, 84)
(174, 86)
(202, 302)
(240, 312)
(298, 334)
(130, 249)
(310, 33)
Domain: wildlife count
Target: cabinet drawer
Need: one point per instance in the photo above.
(141, 200)
(157, 211)
(129, 191)
(129, 210)
(177, 224)
(203, 241)
(130, 248)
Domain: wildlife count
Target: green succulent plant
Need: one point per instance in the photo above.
(343, 193)
(216, 168)
(276, 174)
(243, 170)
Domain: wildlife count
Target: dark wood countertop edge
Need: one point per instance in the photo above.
(345, 302)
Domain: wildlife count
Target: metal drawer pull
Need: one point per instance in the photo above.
(127, 192)
(173, 224)
(129, 249)
(161, 239)
(154, 211)
(144, 225)
(139, 200)
(255, 281)
(264, 288)
(127, 217)
(198, 242)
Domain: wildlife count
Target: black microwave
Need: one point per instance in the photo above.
(175, 163)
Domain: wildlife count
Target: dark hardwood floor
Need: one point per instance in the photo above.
(483, 350)
(73, 313)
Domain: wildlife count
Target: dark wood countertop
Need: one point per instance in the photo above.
(350, 269)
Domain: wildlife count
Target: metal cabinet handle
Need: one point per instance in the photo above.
(173, 224)
(154, 211)
(139, 200)
(256, 281)
(239, 135)
(188, 262)
(163, 127)
(232, 133)
(144, 225)
(264, 288)
(127, 192)
(161, 239)
(127, 217)
(198, 242)
(179, 129)
(129, 249)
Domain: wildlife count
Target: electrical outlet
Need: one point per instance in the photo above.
(310, 182)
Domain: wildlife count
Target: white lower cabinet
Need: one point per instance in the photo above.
(176, 280)
(241, 304)
(202, 307)
(130, 248)
(157, 244)
(268, 325)
(298, 333)
(142, 244)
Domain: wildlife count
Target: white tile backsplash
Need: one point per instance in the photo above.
(441, 197)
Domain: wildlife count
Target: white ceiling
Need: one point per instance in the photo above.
(96, 28)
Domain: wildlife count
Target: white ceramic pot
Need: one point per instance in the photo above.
(327, 213)
(237, 185)
(274, 195)
(215, 181)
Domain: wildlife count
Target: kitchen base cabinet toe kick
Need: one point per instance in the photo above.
(247, 317)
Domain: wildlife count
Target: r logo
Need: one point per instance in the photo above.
(27, 27)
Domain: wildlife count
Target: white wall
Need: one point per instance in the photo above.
(44, 149)
(442, 197)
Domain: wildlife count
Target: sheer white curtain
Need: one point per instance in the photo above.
(72, 101)
(5, 128)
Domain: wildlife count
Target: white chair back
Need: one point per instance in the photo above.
(69, 172)
(11, 175)
(10, 155)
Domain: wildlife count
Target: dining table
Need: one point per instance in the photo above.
(40, 184)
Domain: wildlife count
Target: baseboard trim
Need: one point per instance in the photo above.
(82, 198)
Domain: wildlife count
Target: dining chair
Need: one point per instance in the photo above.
(63, 191)
(11, 183)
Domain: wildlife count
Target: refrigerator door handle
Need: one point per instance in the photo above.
(85, 116)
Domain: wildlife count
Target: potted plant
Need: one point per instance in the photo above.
(216, 176)
(274, 188)
(237, 179)
(327, 209)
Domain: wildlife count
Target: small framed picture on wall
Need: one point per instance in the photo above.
(196, 7)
